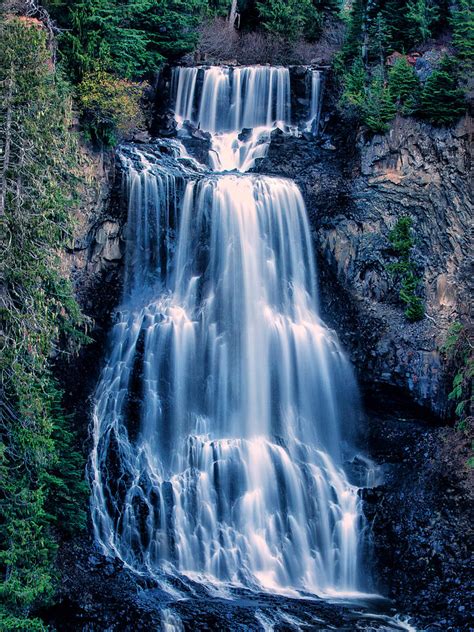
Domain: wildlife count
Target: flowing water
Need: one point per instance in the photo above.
(223, 416)
(239, 107)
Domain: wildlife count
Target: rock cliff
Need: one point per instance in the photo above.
(355, 189)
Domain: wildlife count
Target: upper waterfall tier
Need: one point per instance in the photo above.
(223, 99)
(226, 101)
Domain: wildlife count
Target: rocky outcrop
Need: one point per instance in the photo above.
(96, 256)
(356, 189)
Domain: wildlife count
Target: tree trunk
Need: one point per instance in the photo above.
(233, 14)
(7, 143)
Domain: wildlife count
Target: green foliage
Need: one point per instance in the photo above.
(355, 24)
(290, 19)
(376, 28)
(462, 22)
(354, 84)
(442, 101)
(378, 108)
(110, 107)
(42, 484)
(421, 15)
(373, 102)
(402, 243)
(404, 86)
(128, 39)
(458, 351)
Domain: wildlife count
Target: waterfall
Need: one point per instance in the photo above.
(315, 101)
(221, 418)
(239, 106)
(231, 99)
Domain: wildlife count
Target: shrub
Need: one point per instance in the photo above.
(402, 242)
(458, 351)
(110, 107)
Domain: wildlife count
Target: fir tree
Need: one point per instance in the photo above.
(354, 84)
(422, 15)
(462, 22)
(404, 86)
(42, 473)
(378, 107)
(442, 101)
(353, 43)
(289, 19)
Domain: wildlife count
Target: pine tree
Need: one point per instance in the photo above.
(289, 19)
(462, 22)
(353, 44)
(128, 39)
(442, 101)
(378, 107)
(42, 474)
(354, 84)
(422, 15)
(398, 27)
(404, 86)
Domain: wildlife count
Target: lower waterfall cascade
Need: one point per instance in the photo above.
(223, 415)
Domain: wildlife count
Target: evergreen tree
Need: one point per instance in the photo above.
(404, 86)
(353, 43)
(289, 19)
(395, 15)
(378, 107)
(379, 37)
(128, 38)
(42, 474)
(354, 84)
(404, 269)
(422, 15)
(462, 21)
(442, 101)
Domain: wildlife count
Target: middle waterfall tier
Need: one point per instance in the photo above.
(219, 416)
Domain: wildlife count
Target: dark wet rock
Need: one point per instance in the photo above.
(421, 518)
(98, 594)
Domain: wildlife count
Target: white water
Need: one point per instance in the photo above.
(315, 102)
(221, 411)
(224, 101)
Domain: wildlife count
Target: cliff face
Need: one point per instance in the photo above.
(355, 191)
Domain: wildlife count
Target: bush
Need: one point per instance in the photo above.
(110, 107)
(458, 351)
(402, 242)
